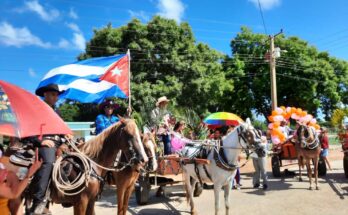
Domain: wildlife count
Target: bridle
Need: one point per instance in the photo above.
(305, 140)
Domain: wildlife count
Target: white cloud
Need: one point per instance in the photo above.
(32, 73)
(73, 27)
(79, 41)
(18, 37)
(139, 14)
(266, 4)
(63, 43)
(36, 7)
(171, 9)
(72, 14)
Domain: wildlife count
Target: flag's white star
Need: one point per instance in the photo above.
(116, 71)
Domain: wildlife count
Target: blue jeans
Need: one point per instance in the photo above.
(166, 144)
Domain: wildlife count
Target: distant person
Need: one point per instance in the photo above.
(177, 141)
(160, 117)
(324, 141)
(260, 162)
(106, 118)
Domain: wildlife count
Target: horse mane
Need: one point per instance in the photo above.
(93, 147)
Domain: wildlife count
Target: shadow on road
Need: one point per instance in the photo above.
(338, 183)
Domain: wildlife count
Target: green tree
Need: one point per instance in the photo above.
(165, 60)
(306, 78)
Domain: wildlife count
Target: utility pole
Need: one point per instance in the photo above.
(272, 65)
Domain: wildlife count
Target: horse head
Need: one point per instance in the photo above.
(150, 150)
(250, 136)
(130, 134)
(306, 136)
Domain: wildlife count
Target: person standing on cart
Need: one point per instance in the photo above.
(160, 118)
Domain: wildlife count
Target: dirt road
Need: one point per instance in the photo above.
(285, 195)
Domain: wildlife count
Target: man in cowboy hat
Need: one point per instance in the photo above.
(160, 117)
(50, 93)
(47, 152)
(106, 118)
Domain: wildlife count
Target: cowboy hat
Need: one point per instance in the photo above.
(109, 103)
(162, 99)
(48, 88)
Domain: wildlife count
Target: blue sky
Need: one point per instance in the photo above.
(38, 35)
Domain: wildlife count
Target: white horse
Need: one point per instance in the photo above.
(221, 173)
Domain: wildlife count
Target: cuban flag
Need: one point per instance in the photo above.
(92, 80)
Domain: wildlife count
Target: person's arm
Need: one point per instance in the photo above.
(14, 189)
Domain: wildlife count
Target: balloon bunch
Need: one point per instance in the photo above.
(281, 114)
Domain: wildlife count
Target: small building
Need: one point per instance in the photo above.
(82, 129)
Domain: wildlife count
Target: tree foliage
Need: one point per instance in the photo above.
(167, 60)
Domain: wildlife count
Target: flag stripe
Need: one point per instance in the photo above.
(76, 70)
(66, 79)
(88, 86)
(85, 97)
(100, 61)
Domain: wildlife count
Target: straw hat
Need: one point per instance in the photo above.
(162, 99)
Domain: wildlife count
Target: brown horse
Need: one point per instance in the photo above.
(125, 180)
(308, 148)
(103, 149)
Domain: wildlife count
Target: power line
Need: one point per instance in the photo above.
(263, 20)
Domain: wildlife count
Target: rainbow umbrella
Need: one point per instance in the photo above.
(223, 118)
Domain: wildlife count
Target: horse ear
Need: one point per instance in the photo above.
(122, 119)
(248, 122)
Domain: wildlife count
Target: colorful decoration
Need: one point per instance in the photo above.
(283, 114)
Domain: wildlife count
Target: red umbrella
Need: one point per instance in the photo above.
(22, 114)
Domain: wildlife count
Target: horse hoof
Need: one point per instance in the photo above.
(310, 188)
(300, 179)
(317, 188)
(194, 212)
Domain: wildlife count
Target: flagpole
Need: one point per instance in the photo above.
(129, 85)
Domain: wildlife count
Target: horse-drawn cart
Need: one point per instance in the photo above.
(168, 170)
(287, 152)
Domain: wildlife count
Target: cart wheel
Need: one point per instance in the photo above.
(345, 165)
(142, 190)
(275, 166)
(321, 167)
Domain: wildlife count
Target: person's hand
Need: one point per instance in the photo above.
(36, 165)
(48, 143)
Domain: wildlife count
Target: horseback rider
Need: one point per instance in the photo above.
(47, 145)
(106, 118)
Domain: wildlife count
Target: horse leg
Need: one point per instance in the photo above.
(309, 172)
(189, 192)
(217, 188)
(300, 160)
(127, 195)
(81, 206)
(90, 207)
(227, 189)
(120, 198)
(316, 173)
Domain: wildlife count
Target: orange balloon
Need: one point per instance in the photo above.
(270, 118)
(304, 113)
(274, 113)
(276, 124)
(282, 107)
